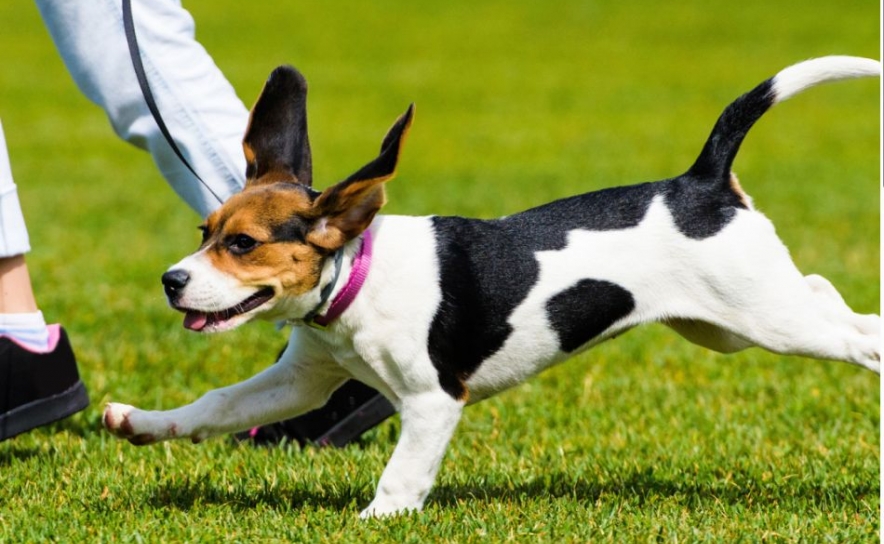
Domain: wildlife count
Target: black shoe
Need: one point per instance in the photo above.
(351, 411)
(38, 388)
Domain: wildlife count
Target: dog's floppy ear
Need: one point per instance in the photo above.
(276, 144)
(346, 209)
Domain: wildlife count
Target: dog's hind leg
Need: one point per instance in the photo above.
(743, 289)
(827, 295)
(830, 329)
(281, 391)
(806, 316)
(428, 421)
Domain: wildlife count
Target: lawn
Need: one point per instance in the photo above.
(646, 438)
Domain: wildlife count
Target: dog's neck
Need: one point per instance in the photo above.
(342, 295)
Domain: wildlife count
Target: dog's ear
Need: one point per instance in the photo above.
(276, 144)
(346, 209)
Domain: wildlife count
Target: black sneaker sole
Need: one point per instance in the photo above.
(44, 411)
(366, 417)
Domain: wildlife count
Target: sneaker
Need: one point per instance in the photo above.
(351, 411)
(38, 388)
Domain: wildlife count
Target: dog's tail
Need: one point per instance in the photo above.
(718, 154)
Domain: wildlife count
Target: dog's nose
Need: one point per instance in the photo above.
(174, 281)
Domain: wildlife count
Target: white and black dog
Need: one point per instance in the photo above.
(437, 312)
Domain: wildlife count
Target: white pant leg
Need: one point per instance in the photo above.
(13, 234)
(199, 106)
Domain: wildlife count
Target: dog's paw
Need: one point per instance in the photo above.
(118, 419)
(384, 509)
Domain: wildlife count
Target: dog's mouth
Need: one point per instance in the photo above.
(199, 321)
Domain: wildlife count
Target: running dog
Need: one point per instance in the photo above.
(438, 312)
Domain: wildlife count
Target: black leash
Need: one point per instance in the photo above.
(134, 52)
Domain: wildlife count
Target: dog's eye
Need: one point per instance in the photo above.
(205, 230)
(242, 243)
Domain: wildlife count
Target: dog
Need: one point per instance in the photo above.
(438, 312)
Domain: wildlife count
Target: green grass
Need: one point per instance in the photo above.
(645, 438)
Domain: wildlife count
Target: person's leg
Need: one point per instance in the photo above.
(39, 381)
(19, 316)
(200, 108)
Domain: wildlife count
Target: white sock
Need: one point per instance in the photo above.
(27, 329)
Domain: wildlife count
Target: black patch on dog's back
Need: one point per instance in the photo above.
(488, 267)
(700, 209)
(481, 281)
(585, 310)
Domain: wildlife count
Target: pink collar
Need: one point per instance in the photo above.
(347, 295)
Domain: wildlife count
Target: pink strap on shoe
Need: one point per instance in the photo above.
(54, 335)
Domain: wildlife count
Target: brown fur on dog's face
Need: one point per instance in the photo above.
(260, 237)
(277, 232)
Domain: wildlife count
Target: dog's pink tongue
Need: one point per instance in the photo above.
(195, 321)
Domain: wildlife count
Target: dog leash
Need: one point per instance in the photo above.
(141, 75)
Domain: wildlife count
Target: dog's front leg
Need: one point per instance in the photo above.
(280, 392)
(428, 421)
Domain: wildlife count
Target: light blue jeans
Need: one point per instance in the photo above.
(200, 108)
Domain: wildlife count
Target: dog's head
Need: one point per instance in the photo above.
(264, 251)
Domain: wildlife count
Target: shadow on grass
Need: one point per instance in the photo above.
(639, 488)
(10, 454)
(11, 451)
(192, 495)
